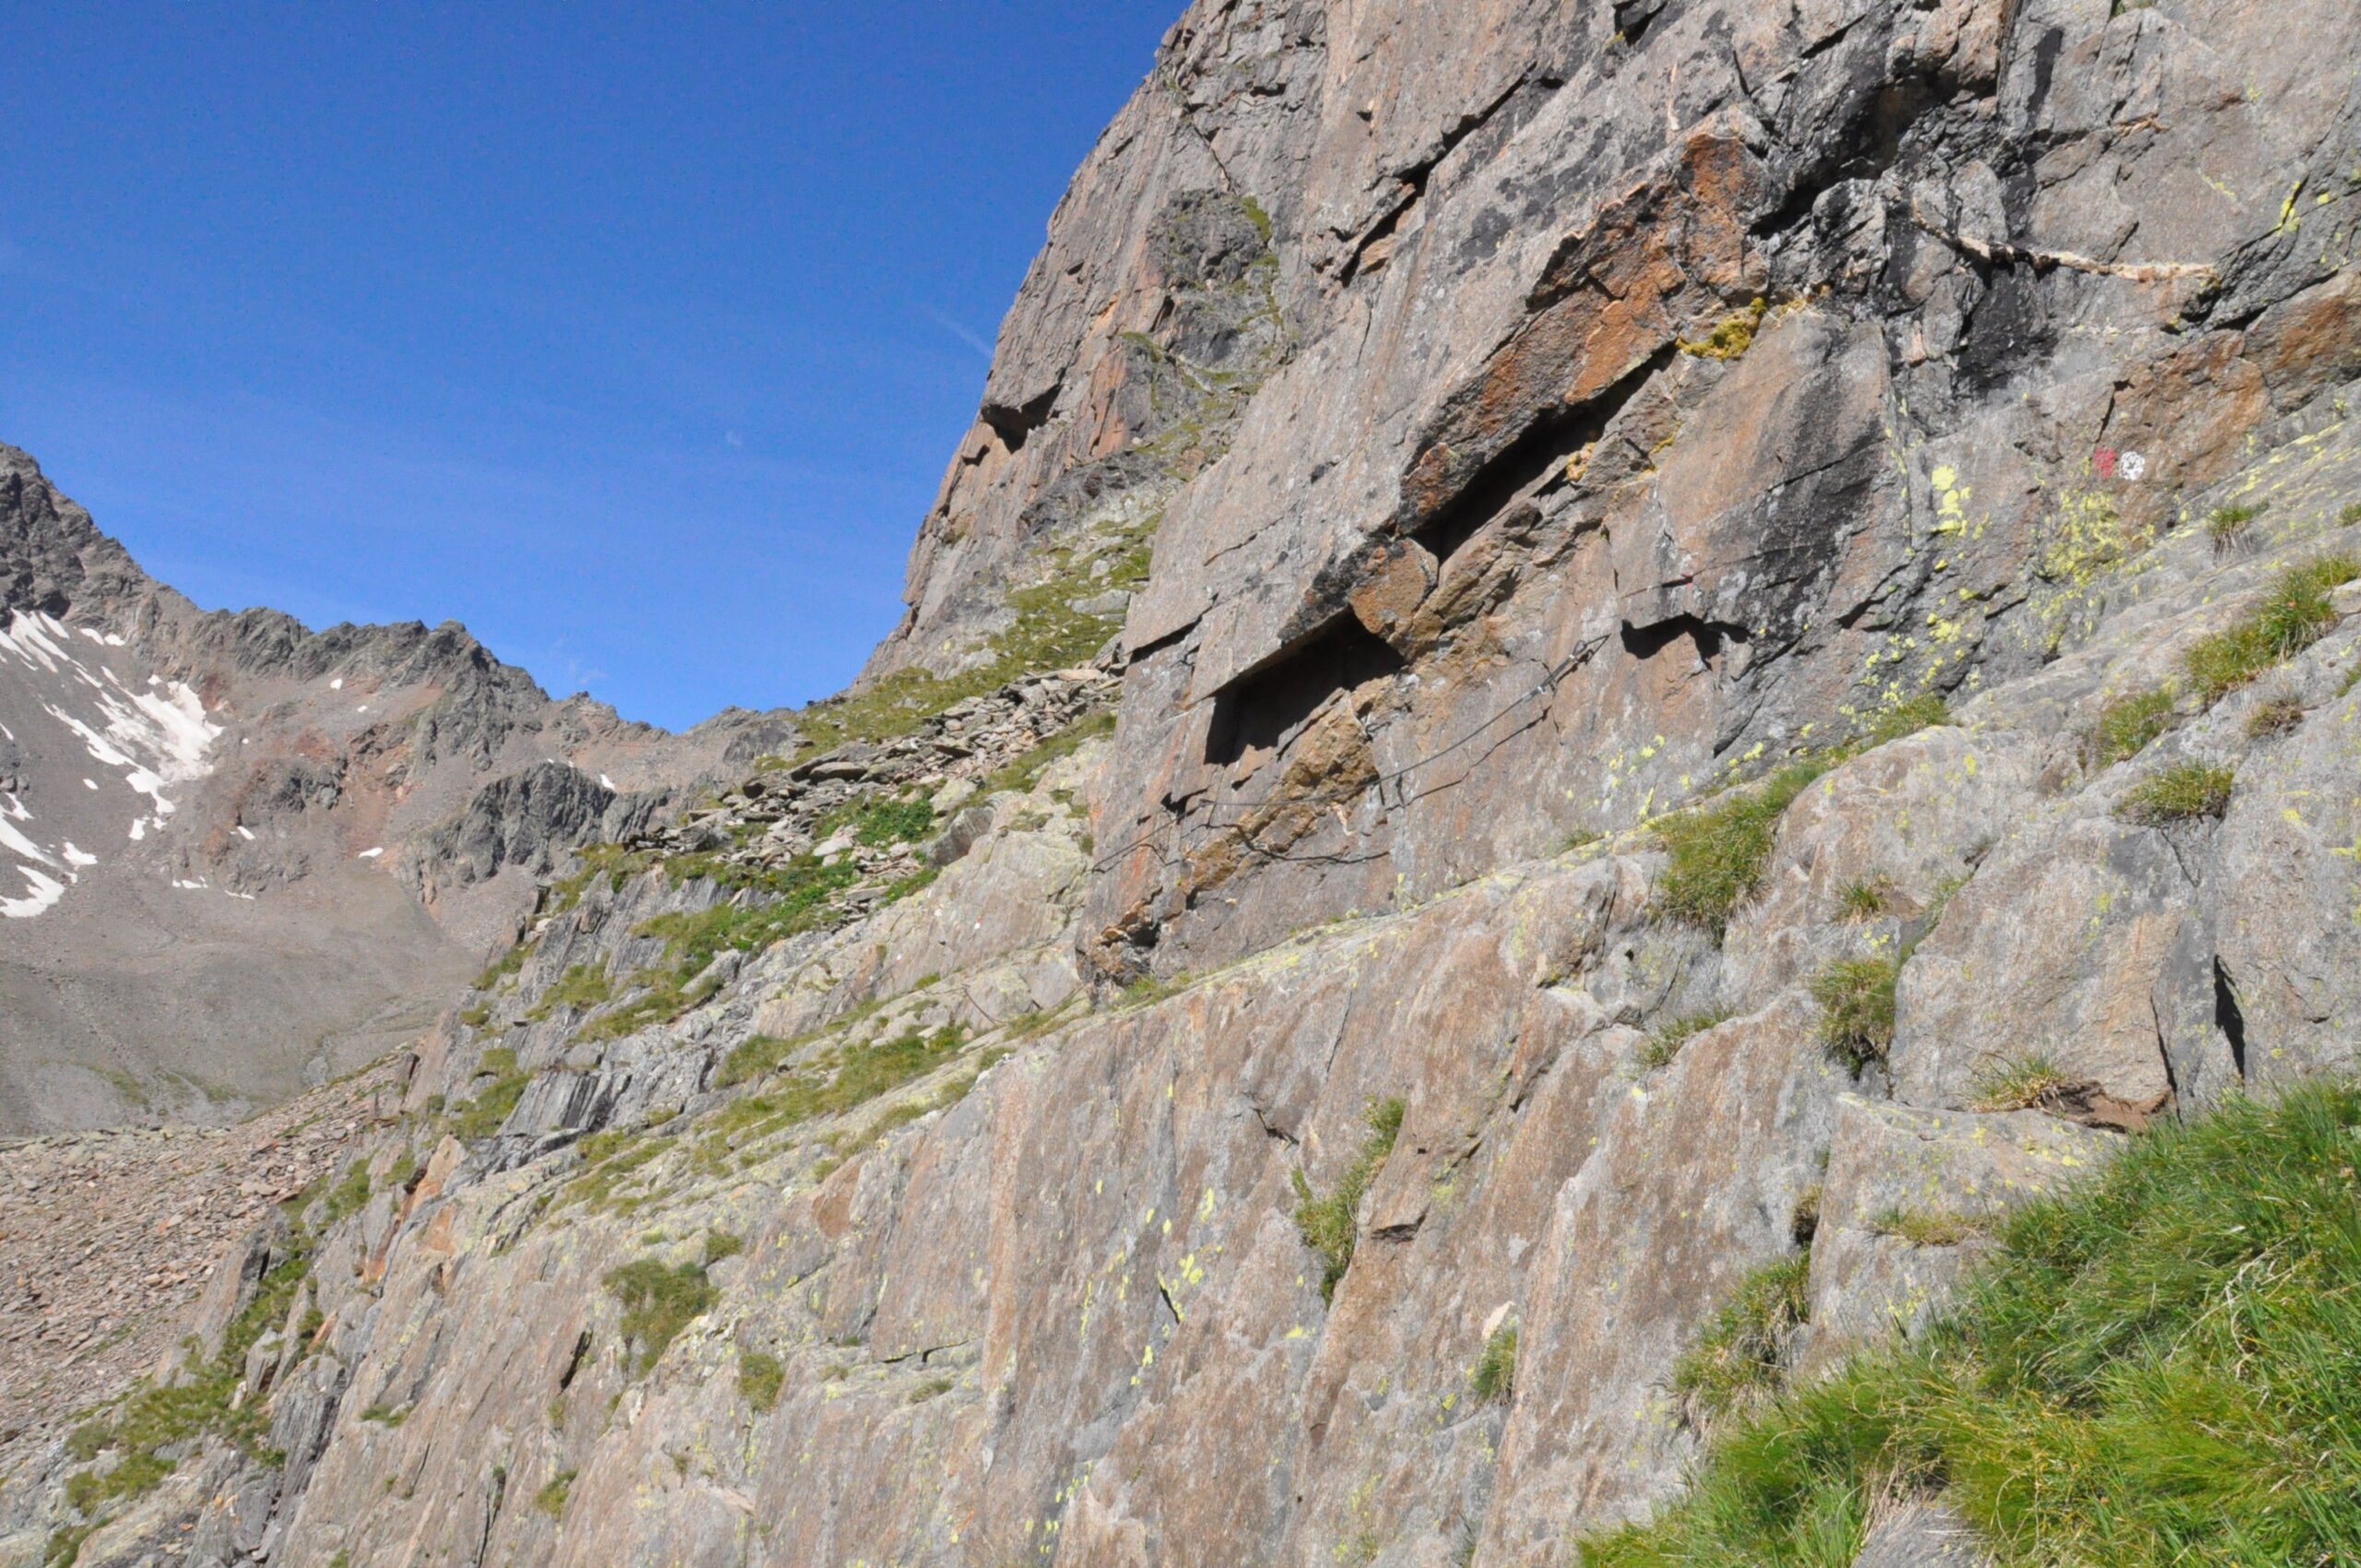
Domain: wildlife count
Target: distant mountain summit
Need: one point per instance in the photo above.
(237, 855)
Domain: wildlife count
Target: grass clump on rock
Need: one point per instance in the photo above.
(1901, 720)
(2157, 1368)
(1022, 773)
(551, 1500)
(1717, 852)
(2276, 715)
(658, 1301)
(1866, 898)
(760, 1377)
(2018, 1083)
(1331, 1225)
(485, 1114)
(2127, 724)
(2228, 525)
(798, 900)
(845, 1078)
(880, 824)
(2182, 793)
(1493, 1381)
(1856, 1010)
(1742, 1354)
(1923, 1226)
(154, 1426)
(1667, 1038)
(2294, 614)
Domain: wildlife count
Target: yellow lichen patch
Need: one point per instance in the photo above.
(1731, 335)
(2088, 536)
(1950, 501)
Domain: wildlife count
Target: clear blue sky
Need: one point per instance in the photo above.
(636, 336)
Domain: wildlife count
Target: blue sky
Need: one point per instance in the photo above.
(636, 336)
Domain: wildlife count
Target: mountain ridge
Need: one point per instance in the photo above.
(245, 746)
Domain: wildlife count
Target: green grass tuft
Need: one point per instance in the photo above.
(1902, 718)
(485, 1114)
(65, 1545)
(2295, 613)
(1741, 1356)
(1717, 852)
(1855, 997)
(2161, 1367)
(880, 824)
(2229, 524)
(1665, 1041)
(841, 1080)
(1866, 898)
(2279, 716)
(1923, 1227)
(1494, 1377)
(1330, 1226)
(760, 1377)
(2182, 793)
(758, 1056)
(657, 1304)
(551, 1499)
(1047, 633)
(2127, 724)
(1023, 772)
(507, 963)
(787, 902)
(349, 1195)
(583, 985)
(152, 1422)
(2018, 1083)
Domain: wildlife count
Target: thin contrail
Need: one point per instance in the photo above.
(957, 331)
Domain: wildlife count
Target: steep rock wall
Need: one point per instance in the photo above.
(772, 1205)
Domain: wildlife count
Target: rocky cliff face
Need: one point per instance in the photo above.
(1735, 650)
(241, 856)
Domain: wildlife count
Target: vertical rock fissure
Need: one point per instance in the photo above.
(2227, 1017)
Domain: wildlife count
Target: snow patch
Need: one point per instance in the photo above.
(606, 781)
(13, 840)
(156, 733)
(336, 684)
(29, 637)
(158, 740)
(245, 832)
(372, 854)
(45, 891)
